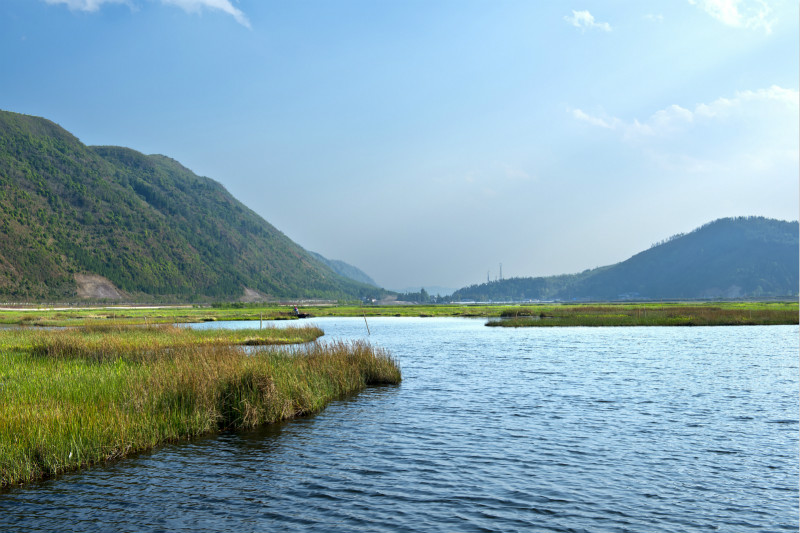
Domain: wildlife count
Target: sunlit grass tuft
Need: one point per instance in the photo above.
(71, 399)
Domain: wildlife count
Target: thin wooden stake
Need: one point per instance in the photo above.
(365, 323)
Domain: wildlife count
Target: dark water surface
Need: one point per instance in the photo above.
(493, 429)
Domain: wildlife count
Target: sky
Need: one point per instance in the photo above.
(428, 141)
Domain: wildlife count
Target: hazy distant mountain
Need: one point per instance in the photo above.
(746, 257)
(345, 269)
(143, 226)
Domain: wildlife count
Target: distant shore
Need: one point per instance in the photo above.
(650, 315)
(536, 314)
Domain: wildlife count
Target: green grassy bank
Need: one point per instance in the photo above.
(69, 399)
(733, 314)
(770, 312)
(188, 314)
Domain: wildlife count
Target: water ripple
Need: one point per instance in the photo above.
(558, 430)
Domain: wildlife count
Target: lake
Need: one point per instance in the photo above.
(493, 429)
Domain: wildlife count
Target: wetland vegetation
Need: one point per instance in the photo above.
(651, 313)
(731, 314)
(75, 397)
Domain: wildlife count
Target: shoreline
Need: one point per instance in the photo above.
(635, 316)
(785, 312)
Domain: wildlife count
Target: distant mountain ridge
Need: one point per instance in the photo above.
(345, 269)
(744, 257)
(143, 226)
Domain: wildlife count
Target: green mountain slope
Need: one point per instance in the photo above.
(149, 225)
(746, 257)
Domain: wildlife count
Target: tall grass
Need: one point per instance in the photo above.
(64, 406)
(108, 340)
(646, 315)
(183, 314)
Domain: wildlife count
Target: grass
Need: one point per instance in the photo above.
(189, 314)
(107, 341)
(69, 399)
(733, 314)
(185, 314)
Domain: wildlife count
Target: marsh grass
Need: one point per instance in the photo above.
(108, 341)
(74, 400)
(104, 317)
(649, 315)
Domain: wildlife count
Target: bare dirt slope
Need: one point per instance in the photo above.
(252, 296)
(93, 287)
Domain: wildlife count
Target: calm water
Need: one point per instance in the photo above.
(492, 429)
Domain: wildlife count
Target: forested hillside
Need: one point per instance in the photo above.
(149, 225)
(745, 257)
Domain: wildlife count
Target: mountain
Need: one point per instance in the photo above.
(345, 269)
(744, 257)
(143, 225)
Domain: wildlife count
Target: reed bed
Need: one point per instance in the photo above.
(109, 317)
(63, 406)
(671, 315)
(110, 341)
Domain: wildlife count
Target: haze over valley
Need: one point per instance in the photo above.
(423, 144)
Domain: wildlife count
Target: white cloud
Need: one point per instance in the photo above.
(195, 6)
(628, 129)
(585, 20)
(721, 107)
(190, 6)
(753, 105)
(654, 18)
(665, 118)
(594, 120)
(86, 5)
(751, 14)
(516, 174)
(752, 133)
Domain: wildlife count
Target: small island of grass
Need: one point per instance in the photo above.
(75, 397)
(731, 314)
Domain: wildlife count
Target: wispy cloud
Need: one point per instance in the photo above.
(654, 18)
(190, 6)
(785, 98)
(750, 131)
(752, 14)
(195, 6)
(628, 129)
(86, 5)
(603, 122)
(675, 117)
(585, 20)
(515, 173)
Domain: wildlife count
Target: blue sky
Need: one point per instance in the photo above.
(427, 141)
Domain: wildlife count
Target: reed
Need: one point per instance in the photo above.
(109, 341)
(104, 317)
(65, 406)
(648, 315)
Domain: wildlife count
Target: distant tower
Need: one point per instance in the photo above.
(501, 271)
(487, 277)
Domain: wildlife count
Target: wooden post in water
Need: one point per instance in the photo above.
(260, 320)
(365, 323)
